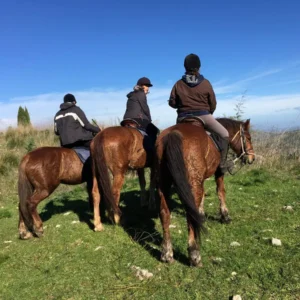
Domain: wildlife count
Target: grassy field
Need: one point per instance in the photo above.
(73, 262)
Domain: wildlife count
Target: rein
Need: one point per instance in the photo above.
(243, 144)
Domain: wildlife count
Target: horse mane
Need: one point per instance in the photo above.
(230, 123)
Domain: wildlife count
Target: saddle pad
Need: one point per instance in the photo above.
(83, 153)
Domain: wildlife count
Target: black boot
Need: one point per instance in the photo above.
(225, 166)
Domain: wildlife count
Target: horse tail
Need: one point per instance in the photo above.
(25, 191)
(175, 163)
(102, 175)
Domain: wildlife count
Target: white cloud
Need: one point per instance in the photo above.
(241, 85)
(109, 105)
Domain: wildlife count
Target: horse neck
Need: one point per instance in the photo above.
(233, 128)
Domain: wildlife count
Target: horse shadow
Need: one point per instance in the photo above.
(62, 204)
(139, 223)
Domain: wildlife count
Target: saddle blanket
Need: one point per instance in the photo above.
(83, 153)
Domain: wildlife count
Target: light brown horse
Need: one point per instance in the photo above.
(116, 149)
(40, 173)
(186, 156)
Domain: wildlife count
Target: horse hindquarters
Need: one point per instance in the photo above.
(173, 157)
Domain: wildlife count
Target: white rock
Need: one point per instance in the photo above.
(236, 297)
(67, 213)
(235, 244)
(141, 274)
(276, 242)
(217, 259)
(288, 207)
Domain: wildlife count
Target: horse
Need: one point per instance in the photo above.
(118, 149)
(41, 171)
(186, 156)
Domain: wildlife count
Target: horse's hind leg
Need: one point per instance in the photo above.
(35, 199)
(163, 191)
(222, 197)
(142, 181)
(24, 233)
(118, 181)
(193, 242)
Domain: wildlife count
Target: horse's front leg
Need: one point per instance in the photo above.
(222, 197)
(142, 181)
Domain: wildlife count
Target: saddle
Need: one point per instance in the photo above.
(133, 124)
(197, 121)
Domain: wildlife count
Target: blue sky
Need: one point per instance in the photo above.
(98, 49)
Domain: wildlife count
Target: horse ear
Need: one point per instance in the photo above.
(247, 125)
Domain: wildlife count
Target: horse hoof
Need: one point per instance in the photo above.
(99, 227)
(167, 257)
(25, 235)
(117, 219)
(195, 258)
(225, 219)
(39, 234)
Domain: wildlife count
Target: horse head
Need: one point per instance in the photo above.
(241, 143)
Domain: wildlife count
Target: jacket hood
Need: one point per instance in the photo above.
(192, 80)
(66, 105)
(136, 90)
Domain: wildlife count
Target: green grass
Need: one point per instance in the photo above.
(65, 264)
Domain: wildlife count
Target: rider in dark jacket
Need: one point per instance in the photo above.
(193, 95)
(138, 110)
(137, 106)
(72, 126)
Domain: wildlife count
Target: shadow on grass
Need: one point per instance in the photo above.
(65, 203)
(138, 222)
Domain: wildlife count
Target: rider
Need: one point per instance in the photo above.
(193, 95)
(138, 110)
(72, 126)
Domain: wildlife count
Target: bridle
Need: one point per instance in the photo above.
(243, 140)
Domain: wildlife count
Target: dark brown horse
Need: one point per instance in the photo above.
(116, 149)
(186, 156)
(40, 173)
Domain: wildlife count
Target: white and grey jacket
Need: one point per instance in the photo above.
(71, 125)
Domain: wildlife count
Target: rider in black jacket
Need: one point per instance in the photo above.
(72, 126)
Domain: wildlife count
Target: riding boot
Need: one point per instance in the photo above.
(225, 166)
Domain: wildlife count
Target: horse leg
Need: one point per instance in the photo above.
(35, 199)
(167, 249)
(118, 181)
(193, 243)
(201, 206)
(96, 201)
(222, 197)
(24, 233)
(142, 181)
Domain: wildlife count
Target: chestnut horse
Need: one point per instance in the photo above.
(40, 173)
(117, 149)
(186, 156)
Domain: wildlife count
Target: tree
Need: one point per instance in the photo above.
(23, 117)
(27, 116)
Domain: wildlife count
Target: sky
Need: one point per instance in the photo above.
(97, 50)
